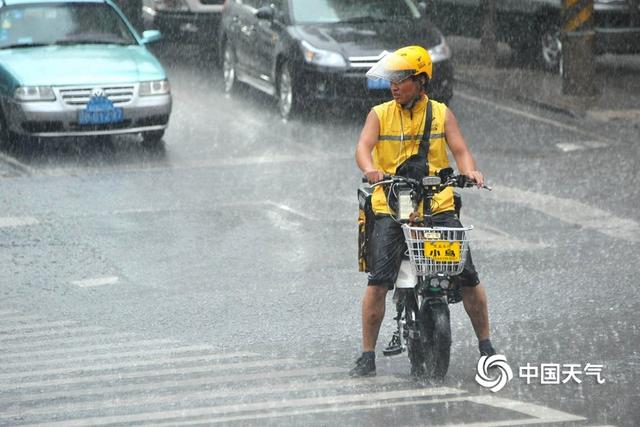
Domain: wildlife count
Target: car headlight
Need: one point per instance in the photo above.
(156, 87)
(34, 93)
(441, 52)
(177, 5)
(324, 58)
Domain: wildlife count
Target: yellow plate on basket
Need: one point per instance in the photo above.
(442, 251)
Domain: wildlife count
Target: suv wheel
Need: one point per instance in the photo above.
(229, 68)
(550, 46)
(287, 96)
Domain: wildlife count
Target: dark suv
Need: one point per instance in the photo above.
(532, 27)
(305, 51)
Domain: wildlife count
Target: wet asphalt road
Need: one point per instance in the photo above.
(215, 281)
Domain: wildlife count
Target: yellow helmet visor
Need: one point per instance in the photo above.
(392, 67)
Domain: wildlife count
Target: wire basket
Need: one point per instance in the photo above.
(438, 250)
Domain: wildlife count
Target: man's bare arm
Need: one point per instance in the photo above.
(367, 141)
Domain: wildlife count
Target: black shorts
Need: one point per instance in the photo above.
(387, 248)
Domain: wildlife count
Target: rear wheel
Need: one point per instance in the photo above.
(436, 334)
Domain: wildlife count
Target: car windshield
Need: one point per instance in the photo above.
(62, 23)
(334, 11)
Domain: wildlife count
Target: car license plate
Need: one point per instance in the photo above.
(378, 84)
(100, 111)
(100, 117)
(442, 251)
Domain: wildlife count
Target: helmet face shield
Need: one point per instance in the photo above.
(392, 67)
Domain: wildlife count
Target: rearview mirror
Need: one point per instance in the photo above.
(151, 36)
(425, 6)
(445, 173)
(265, 12)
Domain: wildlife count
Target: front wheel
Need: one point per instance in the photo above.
(436, 333)
(412, 335)
(543, 48)
(229, 68)
(152, 139)
(287, 95)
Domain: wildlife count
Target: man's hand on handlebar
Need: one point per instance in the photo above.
(374, 176)
(477, 177)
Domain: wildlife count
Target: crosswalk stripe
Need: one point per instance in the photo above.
(19, 318)
(342, 399)
(145, 374)
(103, 389)
(32, 355)
(35, 326)
(120, 403)
(33, 364)
(133, 364)
(8, 312)
(52, 333)
(67, 341)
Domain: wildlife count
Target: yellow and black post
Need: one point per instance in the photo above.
(578, 65)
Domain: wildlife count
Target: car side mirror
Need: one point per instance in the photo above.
(151, 36)
(425, 6)
(266, 13)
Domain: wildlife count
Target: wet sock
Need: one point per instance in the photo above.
(369, 355)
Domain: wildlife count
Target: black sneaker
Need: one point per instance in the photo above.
(365, 367)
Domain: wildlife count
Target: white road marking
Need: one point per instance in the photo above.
(487, 237)
(537, 412)
(12, 161)
(532, 116)
(133, 364)
(34, 354)
(98, 281)
(50, 333)
(259, 406)
(102, 389)
(582, 145)
(146, 374)
(570, 211)
(547, 415)
(67, 341)
(123, 402)
(32, 364)
(569, 146)
(291, 210)
(21, 318)
(17, 221)
(8, 312)
(36, 326)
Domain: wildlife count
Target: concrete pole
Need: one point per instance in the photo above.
(578, 41)
(488, 40)
(634, 10)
